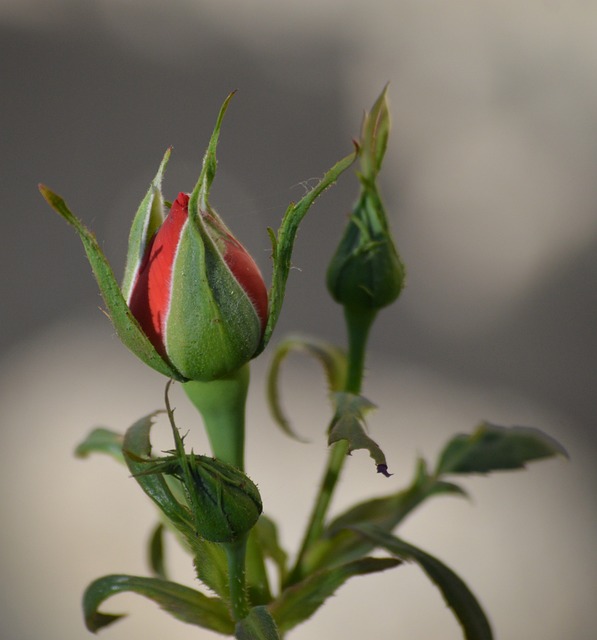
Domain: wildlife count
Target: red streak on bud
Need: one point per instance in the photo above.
(150, 296)
(248, 276)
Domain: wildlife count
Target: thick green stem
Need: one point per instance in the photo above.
(358, 324)
(235, 554)
(222, 406)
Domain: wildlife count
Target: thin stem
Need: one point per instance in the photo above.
(358, 324)
(235, 554)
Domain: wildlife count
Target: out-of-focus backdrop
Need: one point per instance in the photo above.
(490, 185)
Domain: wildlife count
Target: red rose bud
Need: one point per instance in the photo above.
(198, 295)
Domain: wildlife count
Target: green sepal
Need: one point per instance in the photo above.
(493, 448)
(209, 558)
(348, 424)
(457, 595)
(209, 297)
(127, 327)
(208, 168)
(331, 358)
(185, 604)
(208, 294)
(300, 601)
(146, 222)
(374, 136)
(283, 243)
(101, 440)
(340, 544)
(258, 625)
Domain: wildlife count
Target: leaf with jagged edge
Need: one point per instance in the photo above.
(348, 424)
(494, 448)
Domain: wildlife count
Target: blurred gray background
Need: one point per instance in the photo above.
(490, 184)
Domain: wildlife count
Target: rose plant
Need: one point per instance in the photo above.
(194, 306)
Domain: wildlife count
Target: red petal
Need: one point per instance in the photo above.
(249, 277)
(150, 298)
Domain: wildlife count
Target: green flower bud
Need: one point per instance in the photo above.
(224, 502)
(366, 272)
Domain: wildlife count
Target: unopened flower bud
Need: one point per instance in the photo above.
(366, 272)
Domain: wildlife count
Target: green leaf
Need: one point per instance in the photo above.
(301, 600)
(156, 552)
(455, 592)
(258, 625)
(282, 248)
(348, 424)
(493, 448)
(340, 544)
(127, 327)
(331, 358)
(266, 533)
(183, 603)
(101, 440)
(210, 560)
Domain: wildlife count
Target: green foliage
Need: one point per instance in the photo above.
(258, 625)
(187, 605)
(300, 601)
(493, 448)
(101, 440)
(455, 592)
(348, 424)
(212, 506)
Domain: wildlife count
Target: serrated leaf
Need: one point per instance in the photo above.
(258, 625)
(493, 448)
(185, 604)
(340, 544)
(285, 243)
(301, 600)
(457, 595)
(101, 440)
(127, 327)
(348, 424)
(331, 358)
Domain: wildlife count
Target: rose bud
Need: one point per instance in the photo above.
(198, 295)
(366, 272)
(194, 290)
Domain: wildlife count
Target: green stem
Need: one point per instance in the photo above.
(358, 323)
(222, 406)
(235, 554)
